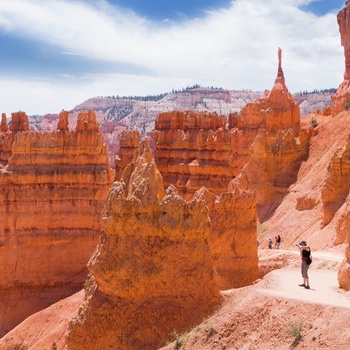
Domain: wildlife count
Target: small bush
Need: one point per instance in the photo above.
(294, 330)
(347, 105)
(314, 123)
(180, 339)
(209, 330)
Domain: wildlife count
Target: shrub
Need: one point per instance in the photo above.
(314, 123)
(294, 330)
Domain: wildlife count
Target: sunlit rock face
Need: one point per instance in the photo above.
(53, 189)
(268, 146)
(337, 183)
(342, 96)
(129, 142)
(193, 150)
(344, 237)
(19, 122)
(233, 239)
(152, 272)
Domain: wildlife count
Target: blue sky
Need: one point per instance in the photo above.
(54, 54)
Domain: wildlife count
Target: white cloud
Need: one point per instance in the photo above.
(234, 48)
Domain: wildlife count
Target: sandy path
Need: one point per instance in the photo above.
(324, 288)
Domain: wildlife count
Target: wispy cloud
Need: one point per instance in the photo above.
(234, 48)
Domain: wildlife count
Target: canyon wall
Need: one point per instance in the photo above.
(53, 191)
(341, 99)
(193, 150)
(152, 272)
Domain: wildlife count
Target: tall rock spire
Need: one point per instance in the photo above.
(280, 75)
(4, 126)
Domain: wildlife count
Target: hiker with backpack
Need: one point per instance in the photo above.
(305, 254)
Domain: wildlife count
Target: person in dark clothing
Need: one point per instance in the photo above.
(278, 241)
(305, 254)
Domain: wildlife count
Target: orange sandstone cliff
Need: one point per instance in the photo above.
(52, 193)
(152, 271)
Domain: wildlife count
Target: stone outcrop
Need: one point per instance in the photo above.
(337, 183)
(233, 238)
(4, 127)
(267, 146)
(343, 236)
(52, 193)
(152, 271)
(129, 142)
(342, 97)
(193, 150)
(274, 111)
(275, 159)
(63, 124)
(19, 122)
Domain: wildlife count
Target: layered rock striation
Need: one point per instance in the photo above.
(233, 238)
(152, 272)
(52, 193)
(129, 142)
(193, 150)
(344, 237)
(342, 96)
(337, 183)
(267, 145)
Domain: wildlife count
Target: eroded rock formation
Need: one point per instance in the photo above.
(233, 239)
(152, 272)
(337, 183)
(342, 96)
(343, 236)
(193, 150)
(4, 126)
(52, 194)
(274, 162)
(129, 142)
(19, 122)
(267, 145)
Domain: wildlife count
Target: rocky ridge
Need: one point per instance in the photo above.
(152, 271)
(54, 187)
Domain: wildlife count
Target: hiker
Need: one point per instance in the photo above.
(305, 254)
(270, 243)
(277, 241)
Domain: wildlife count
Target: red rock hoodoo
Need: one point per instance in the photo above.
(152, 272)
(4, 126)
(129, 142)
(53, 191)
(19, 122)
(268, 146)
(6, 141)
(342, 96)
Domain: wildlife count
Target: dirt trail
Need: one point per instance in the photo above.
(324, 287)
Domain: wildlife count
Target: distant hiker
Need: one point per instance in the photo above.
(277, 241)
(270, 243)
(305, 254)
